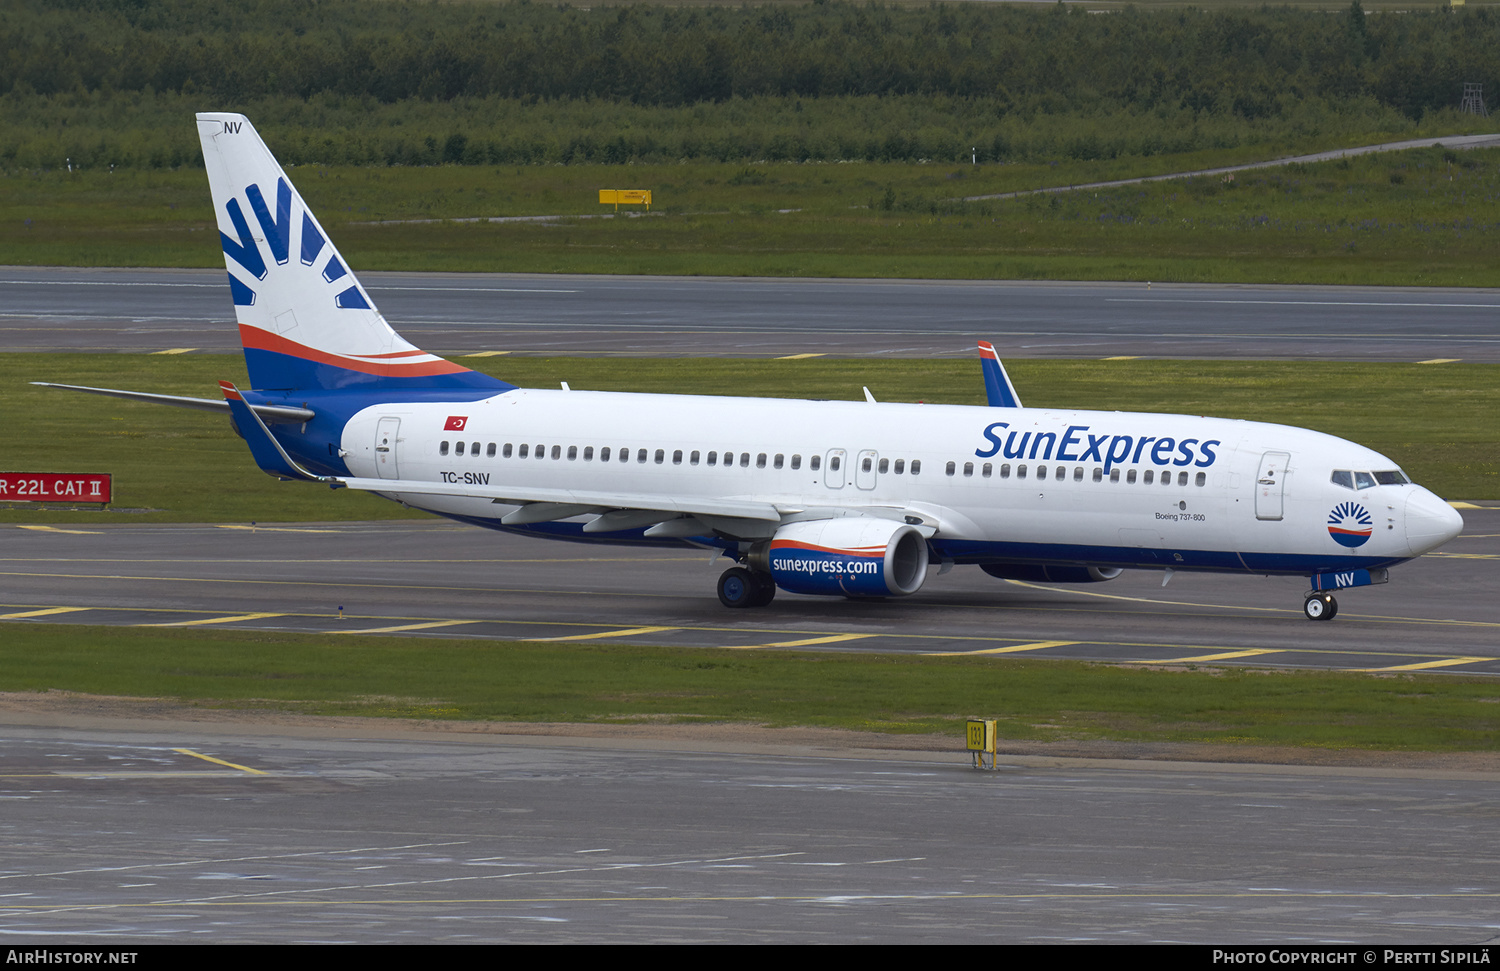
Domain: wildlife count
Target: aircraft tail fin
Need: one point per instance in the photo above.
(997, 387)
(305, 321)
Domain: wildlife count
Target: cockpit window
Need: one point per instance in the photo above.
(1393, 477)
(1364, 480)
(1344, 478)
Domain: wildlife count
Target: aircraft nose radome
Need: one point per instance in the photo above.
(1430, 522)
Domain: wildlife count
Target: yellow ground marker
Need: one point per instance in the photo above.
(799, 357)
(1424, 665)
(40, 613)
(1466, 505)
(210, 758)
(274, 529)
(404, 627)
(175, 350)
(485, 354)
(1016, 649)
(72, 532)
(214, 620)
(1222, 656)
(1123, 357)
(628, 632)
(1441, 360)
(807, 642)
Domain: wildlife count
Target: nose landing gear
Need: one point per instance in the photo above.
(1320, 606)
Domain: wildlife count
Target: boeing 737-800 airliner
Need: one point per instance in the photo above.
(855, 499)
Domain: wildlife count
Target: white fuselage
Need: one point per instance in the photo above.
(1114, 488)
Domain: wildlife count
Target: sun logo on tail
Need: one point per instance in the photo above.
(1350, 525)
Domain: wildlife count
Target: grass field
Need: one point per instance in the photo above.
(510, 681)
(1423, 217)
(1441, 423)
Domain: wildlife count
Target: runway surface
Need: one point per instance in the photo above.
(439, 579)
(152, 311)
(182, 833)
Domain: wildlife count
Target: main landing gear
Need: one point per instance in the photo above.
(1319, 606)
(739, 587)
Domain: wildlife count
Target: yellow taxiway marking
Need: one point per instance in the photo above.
(275, 529)
(404, 627)
(485, 354)
(55, 529)
(808, 642)
(210, 758)
(628, 632)
(1424, 665)
(214, 620)
(1014, 649)
(1223, 656)
(1465, 505)
(1440, 360)
(175, 350)
(799, 357)
(1122, 357)
(40, 613)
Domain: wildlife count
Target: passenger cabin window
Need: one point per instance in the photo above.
(760, 460)
(572, 453)
(677, 457)
(885, 466)
(815, 462)
(588, 453)
(661, 455)
(556, 452)
(950, 468)
(693, 459)
(1020, 471)
(779, 459)
(489, 451)
(900, 466)
(442, 448)
(506, 452)
(713, 458)
(744, 460)
(988, 468)
(640, 456)
(1041, 472)
(1005, 470)
(1201, 480)
(916, 466)
(525, 450)
(796, 462)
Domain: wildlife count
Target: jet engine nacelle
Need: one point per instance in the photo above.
(1051, 574)
(852, 556)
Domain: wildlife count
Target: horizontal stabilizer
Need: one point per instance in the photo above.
(271, 414)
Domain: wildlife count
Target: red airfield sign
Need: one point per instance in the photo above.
(54, 487)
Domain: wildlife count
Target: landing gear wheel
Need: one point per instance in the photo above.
(1320, 606)
(737, 587)
(765, 589)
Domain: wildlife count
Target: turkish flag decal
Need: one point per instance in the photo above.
(456, 423)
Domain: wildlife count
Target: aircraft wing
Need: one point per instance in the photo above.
(558, 501)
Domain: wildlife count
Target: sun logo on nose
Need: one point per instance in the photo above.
(1350, 525)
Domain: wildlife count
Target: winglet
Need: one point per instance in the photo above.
(997, 387)
(264, 448)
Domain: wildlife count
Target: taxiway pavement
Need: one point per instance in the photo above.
(415, 578)
(150, 311)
